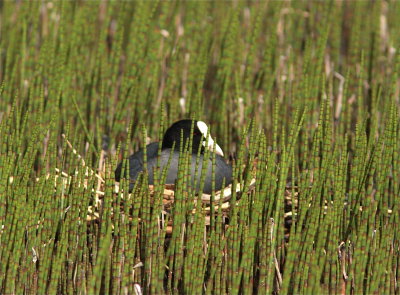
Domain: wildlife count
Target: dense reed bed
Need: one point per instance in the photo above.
(302, 96)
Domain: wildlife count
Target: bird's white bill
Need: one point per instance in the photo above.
(209, 143)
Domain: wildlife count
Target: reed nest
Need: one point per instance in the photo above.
(221, 198)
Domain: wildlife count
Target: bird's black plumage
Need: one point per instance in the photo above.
(223, 171)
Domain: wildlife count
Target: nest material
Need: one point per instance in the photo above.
(220, 197)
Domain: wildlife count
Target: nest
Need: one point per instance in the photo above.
(221, 198)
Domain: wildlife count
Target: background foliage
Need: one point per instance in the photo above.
(303, 96)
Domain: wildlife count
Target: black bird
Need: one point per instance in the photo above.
(200, 140)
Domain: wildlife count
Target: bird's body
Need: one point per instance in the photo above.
(222, 171)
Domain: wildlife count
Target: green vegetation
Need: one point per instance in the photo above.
(305, 95)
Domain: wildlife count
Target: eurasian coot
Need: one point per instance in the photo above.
(173, 134)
